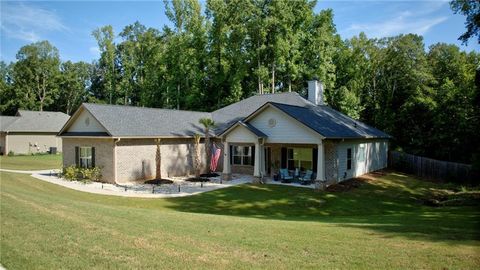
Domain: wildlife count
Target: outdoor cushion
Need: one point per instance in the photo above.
(284, 174)
(307, 176)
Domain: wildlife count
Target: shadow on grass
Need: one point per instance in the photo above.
(388, 203)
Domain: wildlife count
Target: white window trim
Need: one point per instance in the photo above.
(299, 165)
(350, 158)
(241, 155)
(87, 163)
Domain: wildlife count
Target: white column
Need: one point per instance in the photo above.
(227, 170)
(258, 158)
(262, 160)
(320, 163)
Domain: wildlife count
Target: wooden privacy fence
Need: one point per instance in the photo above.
(432, 169)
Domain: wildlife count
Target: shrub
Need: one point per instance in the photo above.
(11, 153)
(95, 174)
(71, 173)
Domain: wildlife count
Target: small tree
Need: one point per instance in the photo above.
(207, 124)
(158, 161)
(197, 138)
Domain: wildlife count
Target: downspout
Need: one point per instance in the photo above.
(115, 141)
(5, 152)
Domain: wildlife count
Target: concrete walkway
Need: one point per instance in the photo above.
(52, 171)
(179, 188)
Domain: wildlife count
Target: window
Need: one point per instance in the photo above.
(361, 153)
(85, 157)
(349, 158)
(242, 155)
(301, 158)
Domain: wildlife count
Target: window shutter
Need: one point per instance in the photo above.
(231, 154)
(315, 159)
(252, 160)
(77, 156)
(93, 156)
(283, 162)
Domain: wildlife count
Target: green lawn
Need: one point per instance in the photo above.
(37, 162)
(380, 225)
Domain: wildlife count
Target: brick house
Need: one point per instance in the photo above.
(256, 136)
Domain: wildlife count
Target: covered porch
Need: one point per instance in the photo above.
(279, 162)
(270, 142)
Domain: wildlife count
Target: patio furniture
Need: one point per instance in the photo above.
(307, 178)
(296, 174)
(285, 176)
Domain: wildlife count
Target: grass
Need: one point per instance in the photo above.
(31, 162)
(380, 225)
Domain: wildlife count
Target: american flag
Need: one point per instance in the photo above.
(215, 156)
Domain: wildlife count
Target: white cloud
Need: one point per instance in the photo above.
(27, 22)
(407, 21)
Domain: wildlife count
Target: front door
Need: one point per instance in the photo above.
(268, 160)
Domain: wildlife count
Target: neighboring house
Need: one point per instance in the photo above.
(31, 132)
(256, 135)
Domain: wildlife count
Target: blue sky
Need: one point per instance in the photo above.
(68, 24)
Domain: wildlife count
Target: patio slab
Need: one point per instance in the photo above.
(272, 182)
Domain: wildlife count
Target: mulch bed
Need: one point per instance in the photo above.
(159, 182)
(438, 197)
(197, 179)
(209, 175)
(345, 185)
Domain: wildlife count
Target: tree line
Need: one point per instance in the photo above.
(426, 98)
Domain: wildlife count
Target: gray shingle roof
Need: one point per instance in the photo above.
(127, 121)
(137, 121)
(33, 121)
(229, 115)
(329, 122)
(6, 121)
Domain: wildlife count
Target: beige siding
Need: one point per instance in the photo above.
(103, 154)
(286, 129)
(136, 158)
(376, 155)
(85, 122)
(26, 143)
(241, 134)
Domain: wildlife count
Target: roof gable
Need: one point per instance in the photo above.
(253, 130)
(86, 122)
(282, 128)
(229, 115)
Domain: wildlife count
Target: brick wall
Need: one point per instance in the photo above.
(331, 170)
(103, 154)
(136, 158)
(242, 169)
